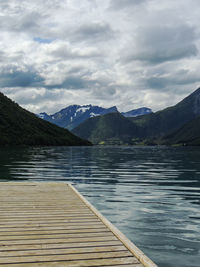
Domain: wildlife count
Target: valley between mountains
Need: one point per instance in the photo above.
(176, 125)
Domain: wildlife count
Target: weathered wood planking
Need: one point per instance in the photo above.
(51, 224)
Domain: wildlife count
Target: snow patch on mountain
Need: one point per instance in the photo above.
(71, 116)
(92, 114)
(83, 109)
(137, 112)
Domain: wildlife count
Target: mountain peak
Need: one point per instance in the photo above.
(137, 112)
(191, 102)
(73, 115)
(197, 91)
(196, 107)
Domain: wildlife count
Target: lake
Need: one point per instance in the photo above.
(152, 194)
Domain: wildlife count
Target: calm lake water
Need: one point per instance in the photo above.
(152, 194)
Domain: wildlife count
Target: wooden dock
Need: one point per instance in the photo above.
(51, 224)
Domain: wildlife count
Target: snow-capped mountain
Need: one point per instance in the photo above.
(137, 112)
(74, 115)
(44, 116)
(71, 116)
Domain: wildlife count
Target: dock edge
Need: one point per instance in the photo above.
(127, 243)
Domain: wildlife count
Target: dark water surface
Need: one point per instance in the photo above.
(151, 194)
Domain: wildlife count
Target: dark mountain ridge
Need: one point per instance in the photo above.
(21, 127)
(72, 116)
(112, 128)
(148, 129)
(188, 134)
(170, 119)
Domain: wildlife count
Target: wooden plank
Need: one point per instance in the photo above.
(58, 240)
(54, 232)
(62, 251)
(63, 220)
(42, 215)
(38, 210)
(41, 228)
(46, 217)
(66, 257)
(80, 263)
(96, 243)
(51, 224)
(54, 236)
(130, 246)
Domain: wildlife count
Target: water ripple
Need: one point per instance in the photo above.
(151, 193)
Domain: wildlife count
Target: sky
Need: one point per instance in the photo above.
(124, 53)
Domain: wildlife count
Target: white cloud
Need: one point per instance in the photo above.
(126, 53)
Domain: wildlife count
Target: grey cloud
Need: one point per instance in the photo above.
(26, 76)
(3, 56)
(19, 78)
(12, 77)
(120, 4)
(32, 79)
(104, 93)
(73, 83)
(70, 83)
(4, 5)
(81, 78)
(63, 51)
(181, 77)
(164, 54)
(32, 97)
(94, 32)
(157, 82)
(28, 22)
(77, 69)
(159, 44)
(78, 81)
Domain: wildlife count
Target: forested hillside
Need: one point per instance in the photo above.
(21, 127)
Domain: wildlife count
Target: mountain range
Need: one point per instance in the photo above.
(179, 124)
(72, 116)
(21, 127)
(166, 121)
(176, 125)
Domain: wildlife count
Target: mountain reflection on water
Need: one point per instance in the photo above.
(152, 194)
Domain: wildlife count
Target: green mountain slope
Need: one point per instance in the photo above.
(114, 128)
(20, 127)
(189, 134)
(111, 128)
(170, 119)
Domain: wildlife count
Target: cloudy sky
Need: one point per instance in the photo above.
(128, 53)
